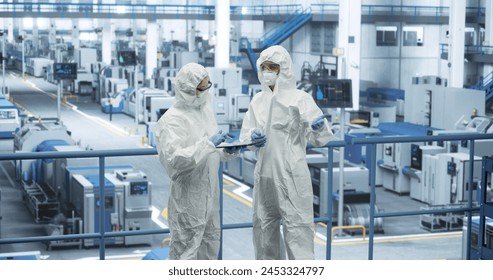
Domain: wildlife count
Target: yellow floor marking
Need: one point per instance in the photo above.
(22, 108)
(164, 213)
(247, 203)
(228, 183)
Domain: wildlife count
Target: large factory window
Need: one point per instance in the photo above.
(386, 35)
(322, 37)
(412, 36)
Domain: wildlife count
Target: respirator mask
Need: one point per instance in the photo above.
(270, 77)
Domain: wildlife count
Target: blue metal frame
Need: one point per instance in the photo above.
(371, 142)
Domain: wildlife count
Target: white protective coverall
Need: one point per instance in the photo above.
(282, 187)
(192, 163)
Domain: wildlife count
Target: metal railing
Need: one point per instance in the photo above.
(373, 141)
(370, 141)
(470, 49)
(264, 10)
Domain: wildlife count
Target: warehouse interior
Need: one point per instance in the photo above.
(86, 82)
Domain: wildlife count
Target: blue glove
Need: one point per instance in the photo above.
(319, 122)
(258, 136)
(218, 138)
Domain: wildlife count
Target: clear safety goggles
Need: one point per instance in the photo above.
(209, 85)
(269, 66)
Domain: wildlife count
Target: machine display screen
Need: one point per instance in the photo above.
(333, 93)
(65, 71)
(127, 58)
(138, 188)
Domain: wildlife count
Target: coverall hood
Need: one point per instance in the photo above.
(278, 55)
(186, 82)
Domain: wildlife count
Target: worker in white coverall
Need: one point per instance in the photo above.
(287, 118)
(186, 139)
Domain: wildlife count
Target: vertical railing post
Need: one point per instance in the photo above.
(101, 208)
(469, 203)
(373, 161)
(330, 174)
(220, 255)
(482, 201)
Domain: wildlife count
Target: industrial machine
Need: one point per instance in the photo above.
(358, 153)
(356, 194)
(380, 112)
(115, 102)
(446, 180)
(9, 118)
(478, 124)
(114, 90)
(426, 103)
(109, 75)
(30, 135)
(452, 179)
(474, 242)
(226, 82)
(238, 107)
(355, 180)
(396, 157)
(85, 57)
(391, 98)
(164, 78)
(362, 118)
(37, 66)
(415, 172)
(146, 104)
(127, 204)
(63, 193)
(85, 82)
(178, 59)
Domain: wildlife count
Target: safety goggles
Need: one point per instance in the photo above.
(209, 85)
(269, 66)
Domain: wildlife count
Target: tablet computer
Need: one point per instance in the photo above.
(236, 144)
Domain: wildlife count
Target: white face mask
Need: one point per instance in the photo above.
(199, 93)
(270, 77)
(201, 97)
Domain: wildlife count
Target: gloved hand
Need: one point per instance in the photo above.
(232, 150)
(258, 136)
(319, 122)
(218, 138)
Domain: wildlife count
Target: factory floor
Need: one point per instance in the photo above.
(402, 238)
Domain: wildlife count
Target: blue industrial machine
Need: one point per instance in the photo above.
(63, 193)
(127, 204)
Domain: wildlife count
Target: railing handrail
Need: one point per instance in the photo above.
(428, 138)
(78, 154)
